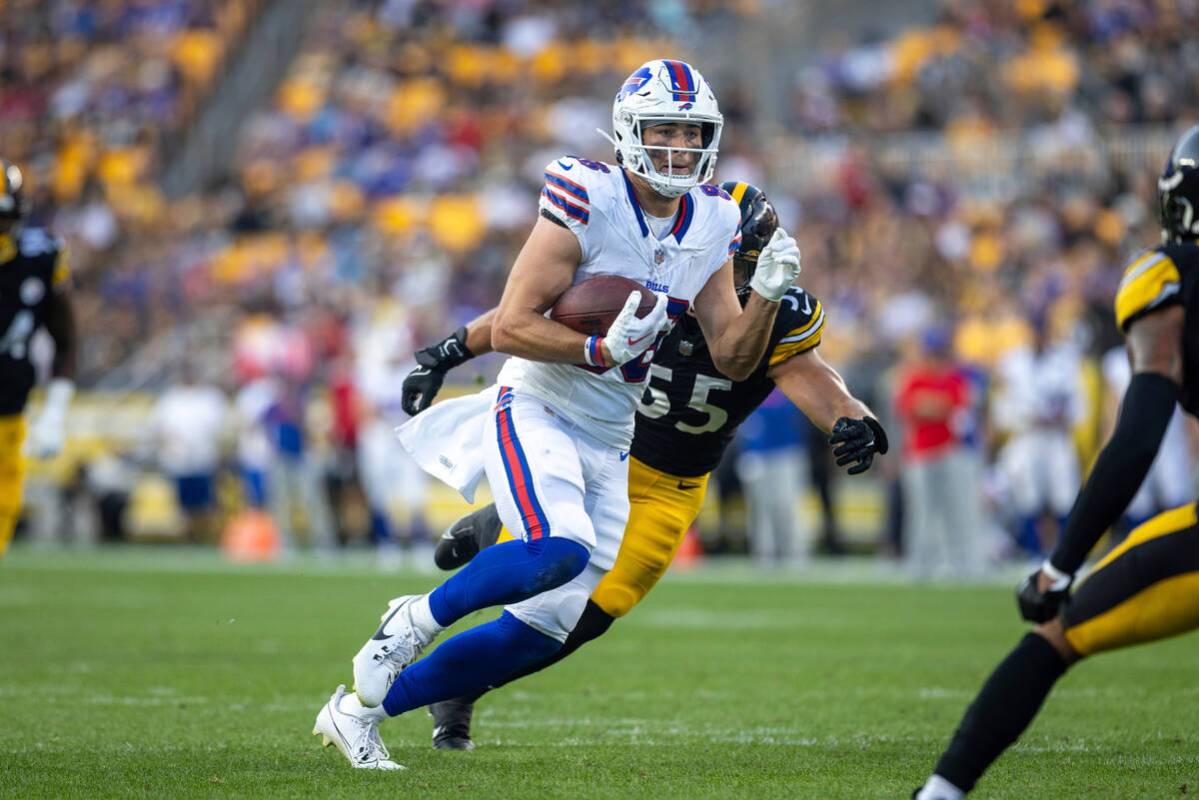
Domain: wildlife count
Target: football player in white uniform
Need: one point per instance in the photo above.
(554, 435)
(391, 480)
(1040, 400)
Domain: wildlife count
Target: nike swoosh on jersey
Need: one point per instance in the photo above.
(566, 166)
(686, 486)
(624, 455)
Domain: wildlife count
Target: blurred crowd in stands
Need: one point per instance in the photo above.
(962, 191)
(987, 65)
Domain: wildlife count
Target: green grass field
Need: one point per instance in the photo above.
(168, 674)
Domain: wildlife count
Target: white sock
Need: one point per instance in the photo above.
(350, 704)
(938, 788)
(422, 617)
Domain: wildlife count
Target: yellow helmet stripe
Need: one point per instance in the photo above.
(739, 192)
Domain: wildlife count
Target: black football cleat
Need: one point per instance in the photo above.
(451, 724)
(463, 540)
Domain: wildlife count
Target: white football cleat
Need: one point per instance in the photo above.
(344, 722)
(396, 644)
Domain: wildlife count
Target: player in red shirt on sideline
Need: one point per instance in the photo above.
(941, 492)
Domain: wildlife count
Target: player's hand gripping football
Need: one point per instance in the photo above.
(628, 336)
(1042, 594)
(778, 267)
(855, 441)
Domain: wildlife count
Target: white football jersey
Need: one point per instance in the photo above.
(596, 202)
(1039, 388)
(383, 359)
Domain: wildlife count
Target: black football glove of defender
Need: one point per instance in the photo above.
(857, 440)
(424, 382)
(1037, 606)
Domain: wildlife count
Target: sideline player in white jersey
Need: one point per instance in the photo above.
(391, 480)
(1040, 401)
(554, 435)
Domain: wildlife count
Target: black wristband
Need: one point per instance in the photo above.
(446, 354)
(1120, 469)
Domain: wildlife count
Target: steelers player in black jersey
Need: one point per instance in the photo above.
(34, 283)
(687, 418)
(1147, 588)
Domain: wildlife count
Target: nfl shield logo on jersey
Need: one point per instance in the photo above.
(659, 255)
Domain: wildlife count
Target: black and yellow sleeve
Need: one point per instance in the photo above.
(1151, 281)
(801, 333)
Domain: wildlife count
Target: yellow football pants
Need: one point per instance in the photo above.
(12, 475)
(1145, 589)
(661, 509)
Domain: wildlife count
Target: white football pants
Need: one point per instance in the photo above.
(1041, 466)
(550, 477)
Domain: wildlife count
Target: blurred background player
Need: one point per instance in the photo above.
(277, 443)
(255, 450)
(34, 294)
(1148, 587)
(687, 419)
(942, 484)
(1039, 401)
(395, 487)
(771, 467)
(295, 483)
(188, 427)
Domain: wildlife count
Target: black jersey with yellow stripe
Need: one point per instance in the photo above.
(33, 265)
(690, 411)
(1159, 277)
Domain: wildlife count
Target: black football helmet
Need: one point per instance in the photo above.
(1178, 191)
(759, 221)
(12, 199)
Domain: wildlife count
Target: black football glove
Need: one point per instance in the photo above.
(423, 383)
(857, 440)
(1038, 607)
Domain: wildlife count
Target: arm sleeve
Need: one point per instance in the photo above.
(1120, 469)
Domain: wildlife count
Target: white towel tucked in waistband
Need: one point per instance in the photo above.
(447, 440)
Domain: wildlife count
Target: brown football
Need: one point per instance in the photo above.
(591, 306)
